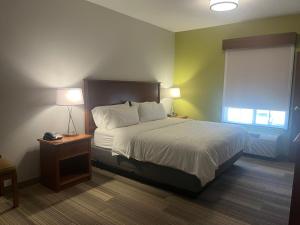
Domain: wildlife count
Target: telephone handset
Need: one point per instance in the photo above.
(50, 136)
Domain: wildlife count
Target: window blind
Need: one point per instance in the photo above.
(259, 78)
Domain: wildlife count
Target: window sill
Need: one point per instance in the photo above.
(261, 130)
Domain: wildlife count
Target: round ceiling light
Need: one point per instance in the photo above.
(223, 5)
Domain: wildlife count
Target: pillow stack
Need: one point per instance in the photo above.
(124, 115)
(150, 111)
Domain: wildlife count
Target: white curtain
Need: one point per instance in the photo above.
(259, 78)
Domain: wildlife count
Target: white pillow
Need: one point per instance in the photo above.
(98, 113)
(149, 111)
(121, 117)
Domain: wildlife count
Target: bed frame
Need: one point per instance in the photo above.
(105, 92)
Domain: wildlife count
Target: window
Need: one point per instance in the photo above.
(236, 115)
(255, 117)
(270, 118)
(257, 86)
(262, 117)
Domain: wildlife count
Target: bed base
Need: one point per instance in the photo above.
(160, 176)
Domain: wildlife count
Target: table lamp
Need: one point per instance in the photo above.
(69, 97)
(173, 93)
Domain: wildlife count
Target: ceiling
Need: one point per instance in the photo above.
(181, 15)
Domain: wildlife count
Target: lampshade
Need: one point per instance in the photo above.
(69, 97)
(223, 5)
(171, 92)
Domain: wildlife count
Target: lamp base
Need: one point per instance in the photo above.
(172, 114)
(70, 133)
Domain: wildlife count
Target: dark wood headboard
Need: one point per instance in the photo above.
(107, 92)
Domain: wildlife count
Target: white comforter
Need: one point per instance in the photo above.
(195, 147)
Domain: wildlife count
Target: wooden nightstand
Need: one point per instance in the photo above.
(65, 162)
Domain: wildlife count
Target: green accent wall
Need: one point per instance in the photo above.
(199, 62)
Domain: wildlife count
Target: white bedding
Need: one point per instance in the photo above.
(103, 139)
(195, 147)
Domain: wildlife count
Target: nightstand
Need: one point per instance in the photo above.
(180, 117)
(65, 162)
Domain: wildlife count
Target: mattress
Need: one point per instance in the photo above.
(195, 147)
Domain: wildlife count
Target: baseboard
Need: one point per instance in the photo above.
(30, 182)
(23, 184)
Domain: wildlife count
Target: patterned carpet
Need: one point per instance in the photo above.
(253, 191)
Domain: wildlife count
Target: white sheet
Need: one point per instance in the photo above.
(196, 147)
(103, 138)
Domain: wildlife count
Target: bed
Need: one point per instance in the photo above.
(177, 154)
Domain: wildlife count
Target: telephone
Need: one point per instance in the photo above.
(50, 136)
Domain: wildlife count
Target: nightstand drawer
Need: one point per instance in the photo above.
(74, 149)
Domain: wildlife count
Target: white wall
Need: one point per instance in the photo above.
(45, 44)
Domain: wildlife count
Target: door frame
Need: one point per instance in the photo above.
(295, 146)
